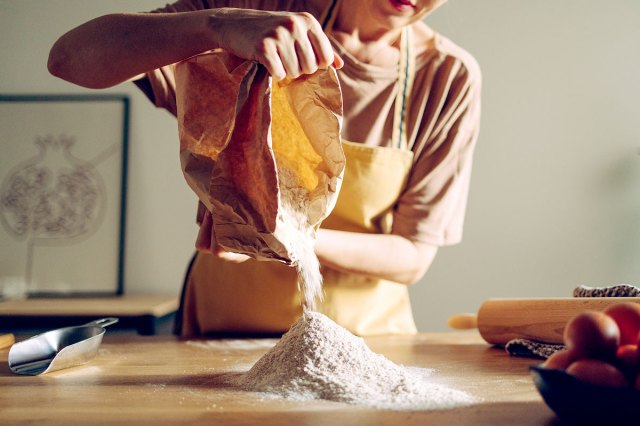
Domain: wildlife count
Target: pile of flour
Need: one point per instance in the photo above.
(318, 359)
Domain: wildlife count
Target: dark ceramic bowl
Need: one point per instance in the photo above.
(580, 403)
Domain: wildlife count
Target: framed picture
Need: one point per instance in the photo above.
(63, 173)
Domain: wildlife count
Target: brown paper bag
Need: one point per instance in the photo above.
(256, 152)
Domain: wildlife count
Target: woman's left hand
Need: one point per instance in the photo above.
(206, 242)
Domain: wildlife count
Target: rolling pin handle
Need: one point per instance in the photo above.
(463, 321)
(7, 340)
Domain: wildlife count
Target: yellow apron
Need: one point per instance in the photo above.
(255, 297)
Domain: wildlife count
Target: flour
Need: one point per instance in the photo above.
(318, 359)
(298, 235)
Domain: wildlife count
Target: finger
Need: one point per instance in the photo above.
(203, 241)
(306, 56)
(271, 60)
(217, 250)
(338, 62)
(233, 257)
(214, 241)
(322, 48)
(289, 59)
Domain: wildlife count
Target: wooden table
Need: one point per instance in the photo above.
(160, 379)
(143, 313)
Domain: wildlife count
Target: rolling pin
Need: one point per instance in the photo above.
(541, 319)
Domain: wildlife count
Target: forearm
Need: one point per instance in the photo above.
(115, 48)
(389, 257)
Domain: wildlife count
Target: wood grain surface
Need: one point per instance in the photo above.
(161, 380)
(128, 305)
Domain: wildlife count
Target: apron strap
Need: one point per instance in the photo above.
(328, 16)
(406, 74)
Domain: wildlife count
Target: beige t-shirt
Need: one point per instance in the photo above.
(443, 121)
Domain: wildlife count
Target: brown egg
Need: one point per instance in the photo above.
(627, 316)
(628, 360)
(597, 372)
(629, 355)
(559, 360)
(592, 334)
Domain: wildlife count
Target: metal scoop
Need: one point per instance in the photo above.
(58, 349)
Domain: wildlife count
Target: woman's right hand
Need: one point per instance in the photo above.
(288, 44)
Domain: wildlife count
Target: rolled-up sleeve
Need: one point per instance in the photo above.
(159, 85)
(432, 207)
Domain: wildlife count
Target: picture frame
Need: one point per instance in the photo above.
(63, 175)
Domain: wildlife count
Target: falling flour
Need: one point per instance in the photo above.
(298, 235)
(318, 359)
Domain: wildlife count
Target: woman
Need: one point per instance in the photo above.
(411, 116)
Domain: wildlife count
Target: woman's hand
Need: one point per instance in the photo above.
(288, 44)
(206, 242)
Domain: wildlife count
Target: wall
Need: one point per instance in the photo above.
(161, 209)
(555, 196)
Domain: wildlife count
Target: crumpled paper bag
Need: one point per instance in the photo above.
(248, 146)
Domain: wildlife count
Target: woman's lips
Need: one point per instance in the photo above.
(402, 5)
